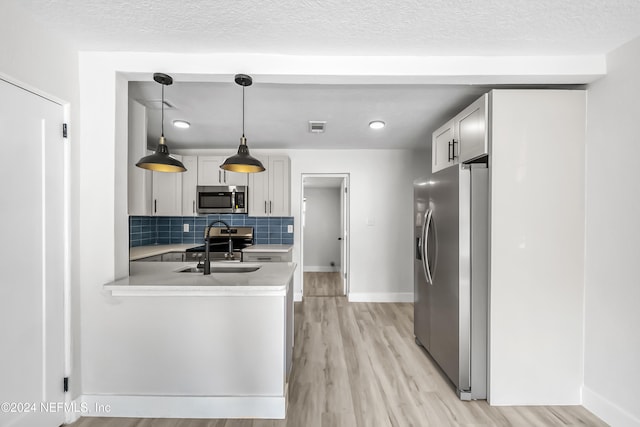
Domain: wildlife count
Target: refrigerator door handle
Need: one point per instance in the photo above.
(425, 245)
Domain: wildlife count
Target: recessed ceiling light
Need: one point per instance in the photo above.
(181, 124)
(376, 124)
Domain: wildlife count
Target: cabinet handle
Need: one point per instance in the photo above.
(219, 176)
(155, 205)
(264, 258)
(265, 206)
(224, 173)
(270, 206)
(194, 206)
(453, 150)
(449, 157)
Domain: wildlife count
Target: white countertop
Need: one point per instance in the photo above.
(162, 279)
(268, 248)
(138, 252)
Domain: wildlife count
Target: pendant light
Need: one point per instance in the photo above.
(243, 161)
(161, 161)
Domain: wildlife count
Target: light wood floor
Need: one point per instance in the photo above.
(322, 285)
(356, 365)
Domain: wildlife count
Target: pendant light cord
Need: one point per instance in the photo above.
(243, 111)
(162, 119)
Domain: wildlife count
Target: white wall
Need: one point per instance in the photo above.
(322, 229)
(37, 58)
(380, 192)
(612, 313)
(537, 247)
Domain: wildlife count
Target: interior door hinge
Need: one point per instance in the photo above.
(64, 130)
(66, 384)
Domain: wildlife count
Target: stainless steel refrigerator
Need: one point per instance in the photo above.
(451, 221)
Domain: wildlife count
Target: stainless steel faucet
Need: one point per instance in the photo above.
(207, 259)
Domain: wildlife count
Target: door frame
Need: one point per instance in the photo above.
(70, 416)
(346, 231)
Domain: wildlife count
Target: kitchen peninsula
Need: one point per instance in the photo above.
(217, 346)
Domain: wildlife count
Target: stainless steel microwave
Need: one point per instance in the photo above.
(221, 199)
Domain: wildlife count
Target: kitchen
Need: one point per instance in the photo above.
(96, 94)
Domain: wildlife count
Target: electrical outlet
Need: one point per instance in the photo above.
(185, 227)
(289, 228)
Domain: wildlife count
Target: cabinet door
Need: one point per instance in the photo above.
(279, 186)
(167, 193)
(442, 149)
(471, 130)
(259, 193)
(234, 178)
(189, 184)
(139, 180)
(209, 172)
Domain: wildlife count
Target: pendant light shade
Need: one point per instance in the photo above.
(160, 160)
(243, 161)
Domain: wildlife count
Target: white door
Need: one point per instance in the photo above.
(32, 259)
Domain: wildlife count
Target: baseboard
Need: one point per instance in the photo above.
(380, 296)
(297, 296)
(606, 410)
(320, 269)
(75, 411)
(264, 407)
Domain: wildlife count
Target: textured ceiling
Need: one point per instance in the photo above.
(338, 27)
(278, 114)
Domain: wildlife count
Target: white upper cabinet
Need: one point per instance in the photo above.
(139, 180)
(167, 193)
(209, 172)
(189, 184)
(269, 191)
(463, 138)
(279, 186)
(471, 130)
(442, 149)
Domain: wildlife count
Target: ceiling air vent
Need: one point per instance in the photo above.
(316, 126)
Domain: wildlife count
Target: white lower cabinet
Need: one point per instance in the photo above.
(269, 191)
(266, 256)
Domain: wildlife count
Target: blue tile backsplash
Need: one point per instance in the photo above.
(151, 230)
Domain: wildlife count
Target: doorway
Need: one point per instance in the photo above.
(325, 234)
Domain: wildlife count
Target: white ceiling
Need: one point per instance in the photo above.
(338, 27)
(277, 115)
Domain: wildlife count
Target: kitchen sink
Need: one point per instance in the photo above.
(222, 269)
